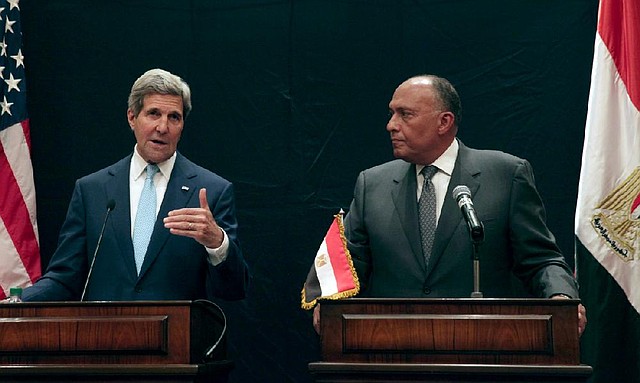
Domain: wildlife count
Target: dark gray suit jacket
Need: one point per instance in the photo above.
(384, 238)
(175, 267)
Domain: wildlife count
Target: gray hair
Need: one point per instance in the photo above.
(158, 81)
(446, 94)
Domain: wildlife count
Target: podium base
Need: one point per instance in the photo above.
(324, 372)
(216, 372)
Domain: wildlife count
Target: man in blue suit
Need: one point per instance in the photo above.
(191, 250)
(519, 256)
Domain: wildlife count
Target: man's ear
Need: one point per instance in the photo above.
(130, 118)
(447, 122)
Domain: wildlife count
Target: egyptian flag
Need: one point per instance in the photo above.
(332, 275)
(608, 209)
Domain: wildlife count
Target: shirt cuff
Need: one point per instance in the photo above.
(561, 295)
(219, 254)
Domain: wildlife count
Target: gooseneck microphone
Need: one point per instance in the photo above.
(462, 195)
(110, 206)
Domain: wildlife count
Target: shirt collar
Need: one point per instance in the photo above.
(138, 165)
(447, 160)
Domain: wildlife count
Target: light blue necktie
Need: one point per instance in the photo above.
(145, 217)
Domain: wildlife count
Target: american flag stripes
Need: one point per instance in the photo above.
(19, 248)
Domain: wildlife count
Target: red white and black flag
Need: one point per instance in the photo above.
(332, 275)
(19, 249)
(608, 209)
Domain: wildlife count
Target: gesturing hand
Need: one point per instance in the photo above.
(196, 223)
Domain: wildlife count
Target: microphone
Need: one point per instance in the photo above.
(110, 206)
(462, 195)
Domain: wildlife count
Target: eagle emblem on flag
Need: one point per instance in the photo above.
(617, 217)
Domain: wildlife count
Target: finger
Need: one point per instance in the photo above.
(203, 199)
(181, 226)
(194, 216)
(582, 319)
(185, 211)
(316, 318)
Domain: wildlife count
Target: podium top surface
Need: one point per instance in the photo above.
(460, 301)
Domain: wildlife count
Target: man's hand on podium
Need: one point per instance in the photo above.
(316, 318)
(582, 318)
(582, 313)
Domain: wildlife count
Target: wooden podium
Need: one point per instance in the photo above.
(449, 340)
(159, 341)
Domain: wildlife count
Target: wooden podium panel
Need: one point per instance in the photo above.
(495, 331)
(112, 341)
(449, 340)
(108, 338)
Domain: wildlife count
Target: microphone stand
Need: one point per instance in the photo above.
(110, 206)
(476, 240)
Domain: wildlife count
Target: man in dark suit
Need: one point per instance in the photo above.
(519, 256)
(191, 250)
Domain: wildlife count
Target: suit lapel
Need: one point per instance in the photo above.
(465, 172)
(180, 190)
(117, 189)
(404, 199)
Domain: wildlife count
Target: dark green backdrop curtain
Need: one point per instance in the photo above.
(290, 103)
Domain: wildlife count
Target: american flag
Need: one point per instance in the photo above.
(19, 248)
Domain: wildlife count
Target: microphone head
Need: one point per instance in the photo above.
(459, 191)
(111, 205)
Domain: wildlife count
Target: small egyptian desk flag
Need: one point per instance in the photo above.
(332, 275)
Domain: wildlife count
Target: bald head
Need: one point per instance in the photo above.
(444, 92)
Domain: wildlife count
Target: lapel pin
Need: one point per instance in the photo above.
(185, 188)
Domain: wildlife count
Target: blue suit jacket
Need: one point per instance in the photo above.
(175, 267)
(384, 237)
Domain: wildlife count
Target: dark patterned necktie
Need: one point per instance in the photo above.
(427, 212)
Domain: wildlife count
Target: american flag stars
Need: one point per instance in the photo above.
(11, 65)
